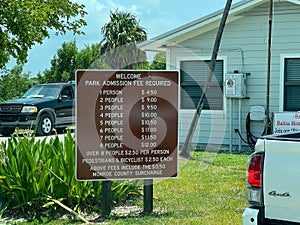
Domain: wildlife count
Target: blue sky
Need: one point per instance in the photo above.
(156, 16)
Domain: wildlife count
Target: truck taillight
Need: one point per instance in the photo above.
(255, 170)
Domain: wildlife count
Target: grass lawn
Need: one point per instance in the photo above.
(204, 193)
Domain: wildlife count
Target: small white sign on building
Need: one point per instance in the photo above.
(286, 122)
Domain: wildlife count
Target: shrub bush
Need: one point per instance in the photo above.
(34, 174)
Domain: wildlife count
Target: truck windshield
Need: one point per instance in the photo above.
(41, 91)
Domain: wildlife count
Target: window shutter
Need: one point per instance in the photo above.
(193, 78)
(292, 84)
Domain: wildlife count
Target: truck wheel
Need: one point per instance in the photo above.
(45, 125)
(7, 131)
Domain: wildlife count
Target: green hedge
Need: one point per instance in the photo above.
(36, 174)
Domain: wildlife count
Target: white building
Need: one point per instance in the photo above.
(244, 48)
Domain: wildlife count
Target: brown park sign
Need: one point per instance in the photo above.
(127, 124)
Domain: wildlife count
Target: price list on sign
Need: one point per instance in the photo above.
(126, 124)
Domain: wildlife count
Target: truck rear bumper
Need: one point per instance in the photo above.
(250, 216)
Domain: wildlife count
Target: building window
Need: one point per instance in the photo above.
(291, 84)
(193, 75)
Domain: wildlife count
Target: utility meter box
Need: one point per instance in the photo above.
(235, 85)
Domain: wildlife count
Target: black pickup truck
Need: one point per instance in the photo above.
(43, 107)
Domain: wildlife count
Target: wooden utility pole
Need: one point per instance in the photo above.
(185, 149)
(267, 122)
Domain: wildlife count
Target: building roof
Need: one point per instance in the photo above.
(202, 25)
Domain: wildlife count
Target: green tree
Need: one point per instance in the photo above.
(88, 58)
(159, 62)
(120, 38)
(24, 23)
(13, 83)
(68, 59)
(63, 64)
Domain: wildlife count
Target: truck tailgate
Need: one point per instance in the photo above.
(281, 178)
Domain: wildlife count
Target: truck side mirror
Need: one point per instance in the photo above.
(63, 98)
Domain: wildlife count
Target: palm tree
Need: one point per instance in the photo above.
(120, 38)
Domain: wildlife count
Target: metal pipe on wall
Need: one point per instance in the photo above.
(230, 125)
(240, 123)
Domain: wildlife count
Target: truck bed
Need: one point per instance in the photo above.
(281, 177)
(284, 137)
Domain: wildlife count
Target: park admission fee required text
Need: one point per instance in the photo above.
(127, 124)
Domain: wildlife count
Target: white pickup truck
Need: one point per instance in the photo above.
(274, 181)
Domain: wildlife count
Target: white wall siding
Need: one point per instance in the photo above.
(244, 47)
